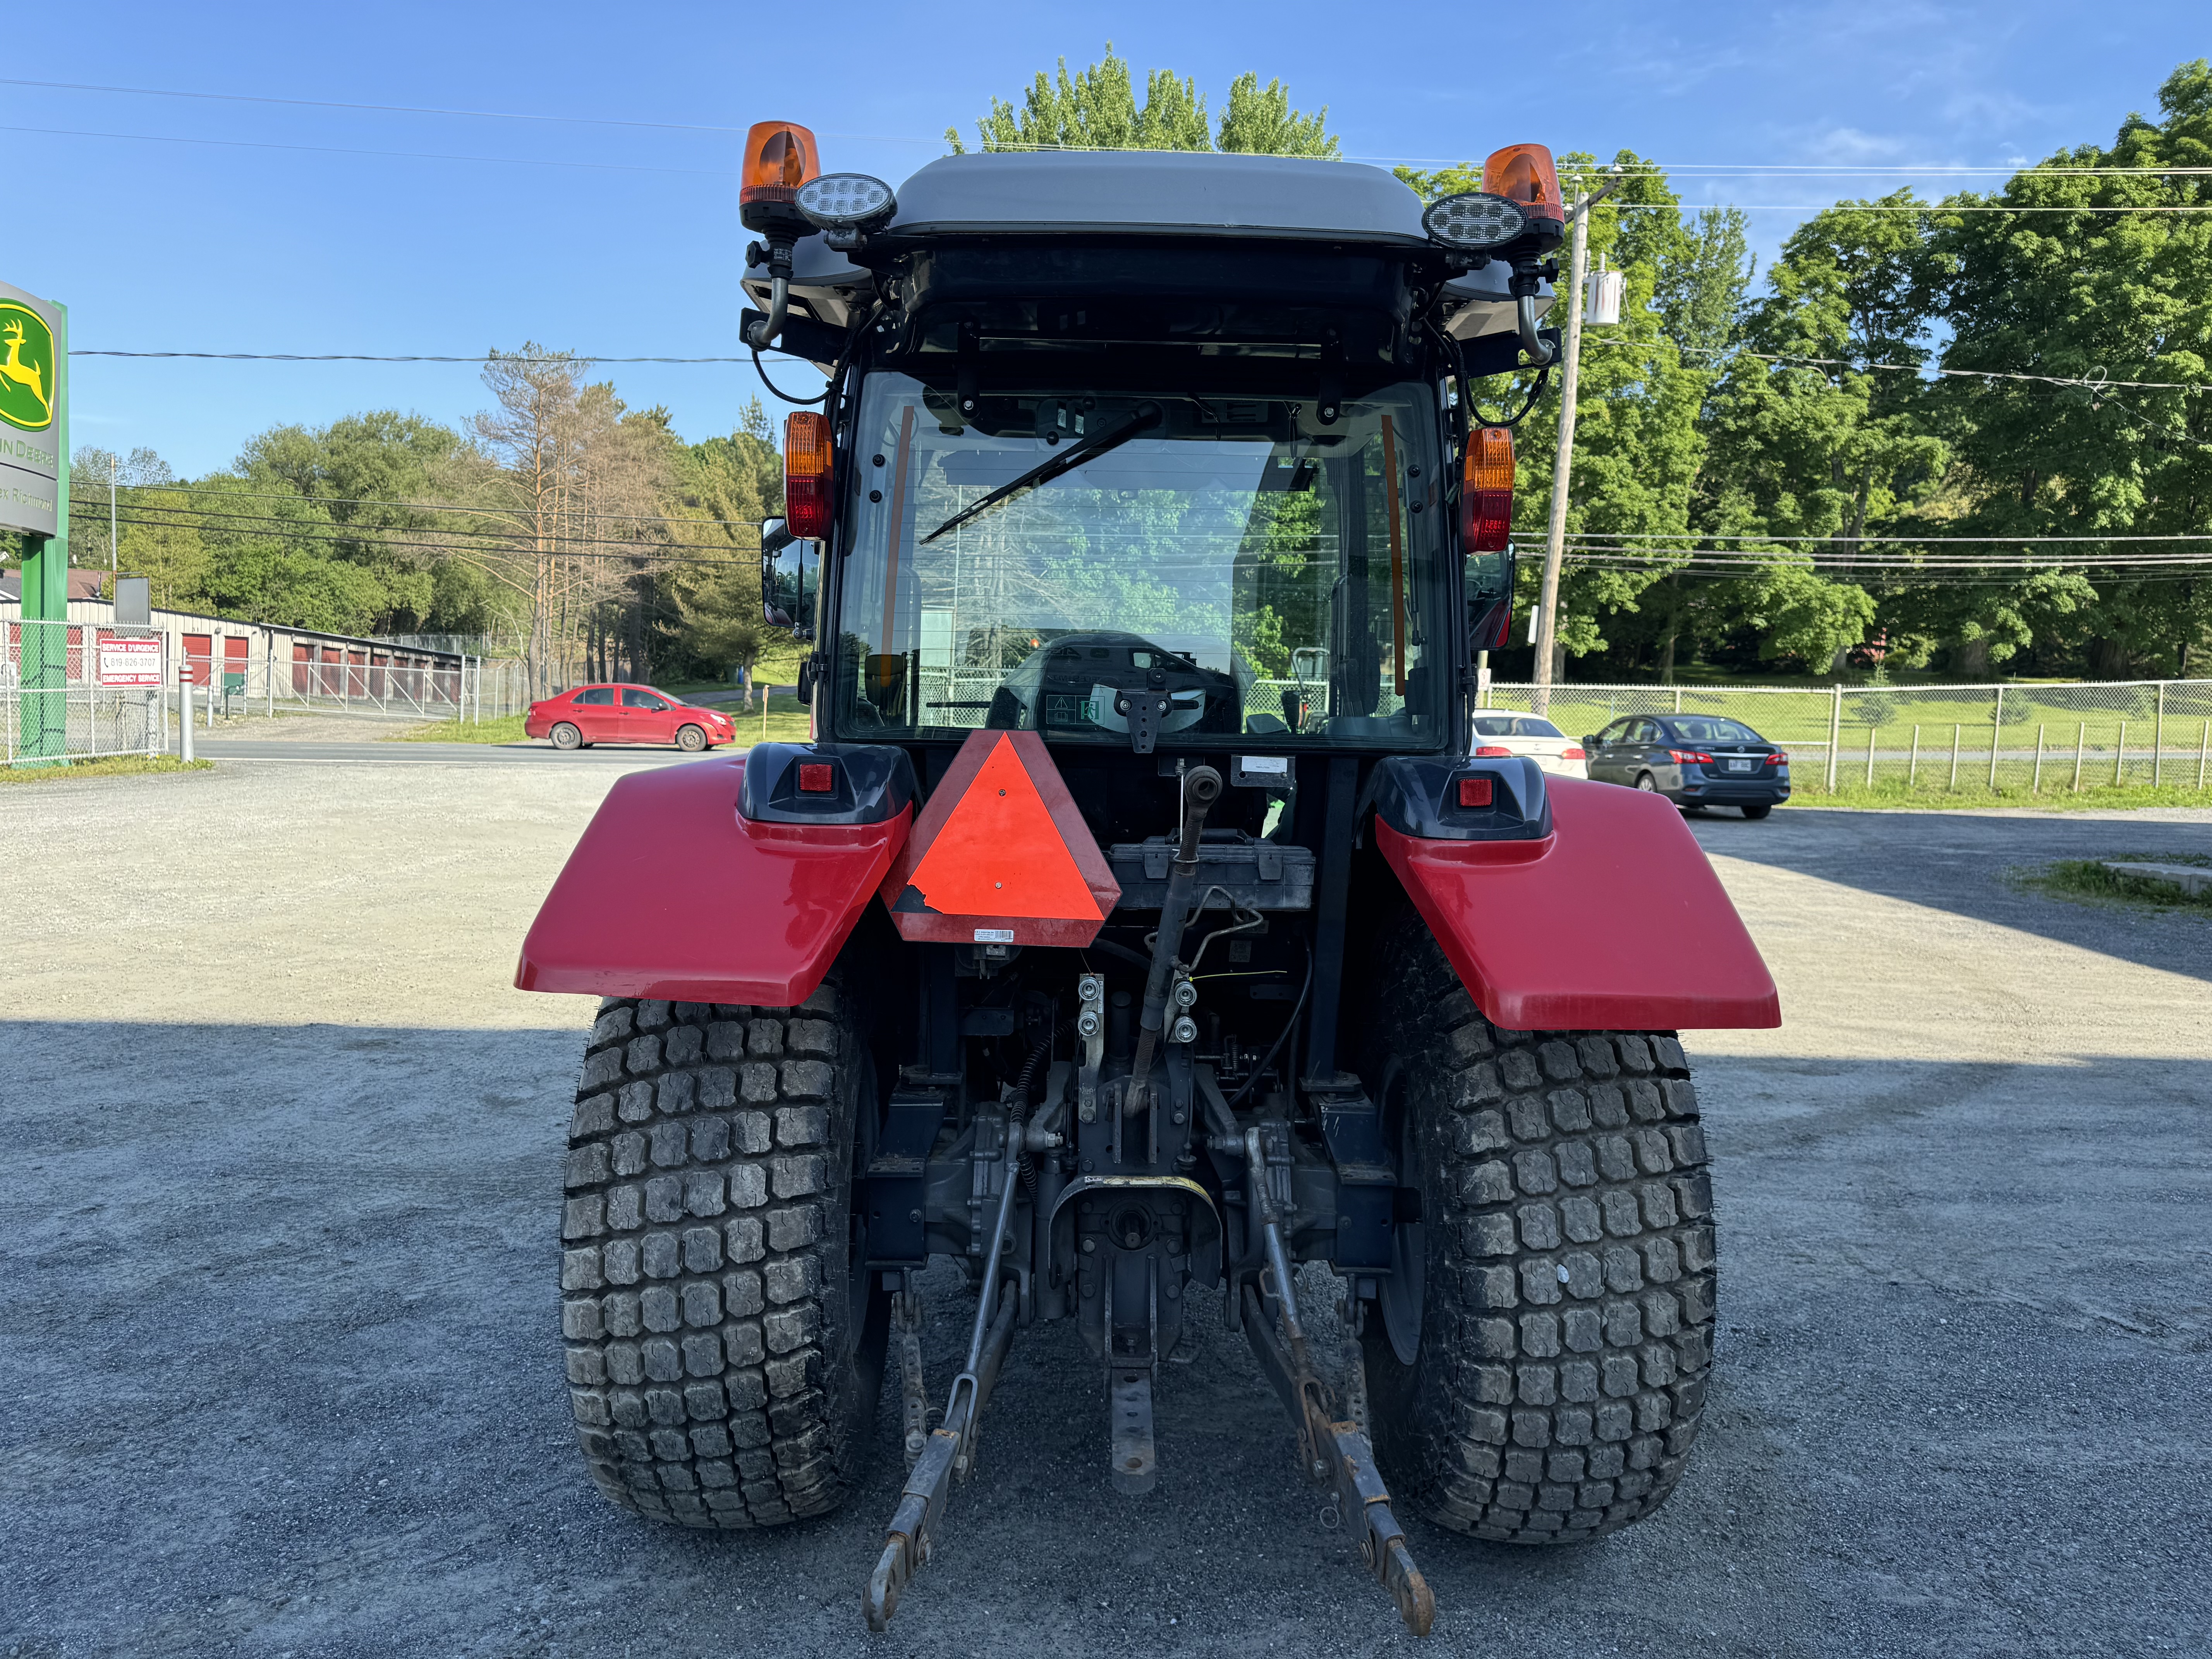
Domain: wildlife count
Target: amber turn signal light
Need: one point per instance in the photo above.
(780, 157)
(806, 474)
(1485, 495)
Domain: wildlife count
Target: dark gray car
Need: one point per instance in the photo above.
(1694, 760)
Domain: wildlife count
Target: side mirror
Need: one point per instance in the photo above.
(1590, 743)
(1489, 587)
(786, 593)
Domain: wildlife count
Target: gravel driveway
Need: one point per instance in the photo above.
(280, 1316)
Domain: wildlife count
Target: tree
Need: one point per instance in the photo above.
(1096, 108)
(1815, 432)
(1637, 444)
(1259, 121)
(2073, 292)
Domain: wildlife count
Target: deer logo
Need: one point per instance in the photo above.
(34, 412)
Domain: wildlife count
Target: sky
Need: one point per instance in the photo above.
(576, 188)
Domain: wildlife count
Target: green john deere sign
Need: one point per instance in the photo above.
(27, 368)
(34, 411)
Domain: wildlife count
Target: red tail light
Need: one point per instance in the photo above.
(1573, 754)
(1485, 495)
(1475, 792)
(1490, 752)
(1689, 756)
(1779, 757)
(806, 474)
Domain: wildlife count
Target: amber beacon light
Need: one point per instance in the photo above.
(780, 157)
(1524, 174)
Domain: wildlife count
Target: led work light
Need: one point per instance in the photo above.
(846, 202)
(1476, 220)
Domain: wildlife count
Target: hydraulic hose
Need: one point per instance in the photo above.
(1201, 788)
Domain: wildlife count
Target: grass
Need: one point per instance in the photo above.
(508, 728)
(2086, 880)
(785, 723)
(1892, 793)
(106, 766)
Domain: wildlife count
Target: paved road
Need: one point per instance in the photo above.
(430, 754)
(284, 1365)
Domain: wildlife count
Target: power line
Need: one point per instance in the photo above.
(1909, 541)
(222, 523)
(578, 358)
(649, 553)
(224, 493)
(725, 172)
(387, 155)
(385, 109)
(2093, 382)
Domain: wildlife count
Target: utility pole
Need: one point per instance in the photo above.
(1555, 543)
(112, 563)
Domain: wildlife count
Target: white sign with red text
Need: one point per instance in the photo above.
(131, 662)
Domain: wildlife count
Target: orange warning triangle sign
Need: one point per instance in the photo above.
(999, 853)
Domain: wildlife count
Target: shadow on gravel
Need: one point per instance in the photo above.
(286, 1378)
(1963, 863)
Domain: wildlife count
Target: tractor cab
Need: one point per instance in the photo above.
(1137, 924)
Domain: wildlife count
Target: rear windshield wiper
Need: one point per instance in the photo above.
(1141, 420)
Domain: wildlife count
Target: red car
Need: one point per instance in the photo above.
(626, 714)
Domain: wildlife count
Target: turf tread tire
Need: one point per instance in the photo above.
(719, 1372)
(1567, 1325)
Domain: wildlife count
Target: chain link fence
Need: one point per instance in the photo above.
(77, 691)
(2004, 739)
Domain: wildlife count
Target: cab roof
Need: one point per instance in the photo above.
(1161, 193)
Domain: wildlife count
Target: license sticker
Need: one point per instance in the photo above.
(994, 936)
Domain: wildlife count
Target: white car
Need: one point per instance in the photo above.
(1500, 732)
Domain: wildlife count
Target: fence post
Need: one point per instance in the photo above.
(2203, 747)
(2035, 787)
(1997, 732)
(2120, 756)
(1955, 726)
(1912, 772)
(270, 688)
(1678, 699)
(2158, 741)
(1871, 730)
(185, 709)
(1835, 731)
(2080, 743)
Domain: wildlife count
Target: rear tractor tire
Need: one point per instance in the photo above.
(724, 1355)
(1540, 1368)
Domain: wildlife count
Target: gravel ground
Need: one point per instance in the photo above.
(280, 1313)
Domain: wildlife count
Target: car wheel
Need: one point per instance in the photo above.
(690, 739)
(1757, 811)
(566, 736)
(1647, 783)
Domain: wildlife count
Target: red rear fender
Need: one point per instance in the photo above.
(1613, 923)
(670, 893)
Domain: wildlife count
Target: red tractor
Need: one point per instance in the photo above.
(1138, 926)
